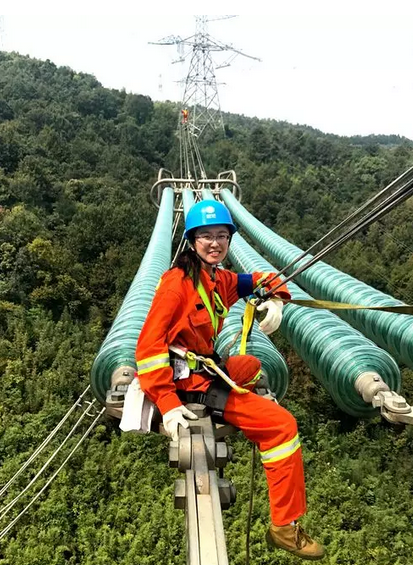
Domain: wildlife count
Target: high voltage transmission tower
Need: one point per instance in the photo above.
(200, 103)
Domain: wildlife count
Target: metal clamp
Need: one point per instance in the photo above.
(393, 407)
(202, 494)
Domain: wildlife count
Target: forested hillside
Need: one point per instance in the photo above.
(77, 161)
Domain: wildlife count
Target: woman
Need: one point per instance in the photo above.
(187, 313)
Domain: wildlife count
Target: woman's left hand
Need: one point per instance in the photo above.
(273, 318)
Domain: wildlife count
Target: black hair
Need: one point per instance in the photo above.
(189, 261)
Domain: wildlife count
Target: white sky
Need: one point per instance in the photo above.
(342, 67)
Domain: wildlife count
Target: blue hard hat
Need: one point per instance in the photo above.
(208, 213)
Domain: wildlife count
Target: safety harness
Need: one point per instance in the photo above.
(216, 396)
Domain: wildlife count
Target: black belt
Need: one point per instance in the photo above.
(192, 397)
(214, 398)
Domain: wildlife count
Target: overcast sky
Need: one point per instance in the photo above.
(342, 67)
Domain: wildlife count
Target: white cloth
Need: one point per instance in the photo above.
(174, 417)
(273, 318)
(137, 410)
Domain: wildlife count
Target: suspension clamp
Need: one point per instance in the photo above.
(393, 407)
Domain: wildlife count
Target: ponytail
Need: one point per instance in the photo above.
(190, 263)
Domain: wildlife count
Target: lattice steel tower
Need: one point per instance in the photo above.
(200, 97)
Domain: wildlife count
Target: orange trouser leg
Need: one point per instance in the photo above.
(274, 430)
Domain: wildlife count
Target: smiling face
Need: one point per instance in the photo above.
(211, 244)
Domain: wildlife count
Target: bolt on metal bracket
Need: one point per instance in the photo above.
(197, 453)
(393, 407)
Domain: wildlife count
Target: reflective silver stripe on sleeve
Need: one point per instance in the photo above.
(153, 363)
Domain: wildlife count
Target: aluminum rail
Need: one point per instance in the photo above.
(200, 493)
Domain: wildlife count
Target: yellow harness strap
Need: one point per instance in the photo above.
(248, 320)
(329, 305)
(220, 310)
(204, 297)
(210, 363)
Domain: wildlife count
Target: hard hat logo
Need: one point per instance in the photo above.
(207, 214)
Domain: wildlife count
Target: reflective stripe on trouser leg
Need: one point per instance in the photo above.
(280, 451)
(269, 425)
(286, 488)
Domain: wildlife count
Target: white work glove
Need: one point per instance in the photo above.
(174, 417)
(272, 320)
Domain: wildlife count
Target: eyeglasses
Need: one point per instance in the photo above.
(209, 238)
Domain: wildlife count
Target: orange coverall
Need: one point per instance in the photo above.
(178, 316)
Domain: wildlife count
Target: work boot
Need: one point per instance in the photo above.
(295, 540)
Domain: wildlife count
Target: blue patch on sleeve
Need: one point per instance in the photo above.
(244, 285)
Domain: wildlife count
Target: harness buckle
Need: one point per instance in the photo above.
(197, 366)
